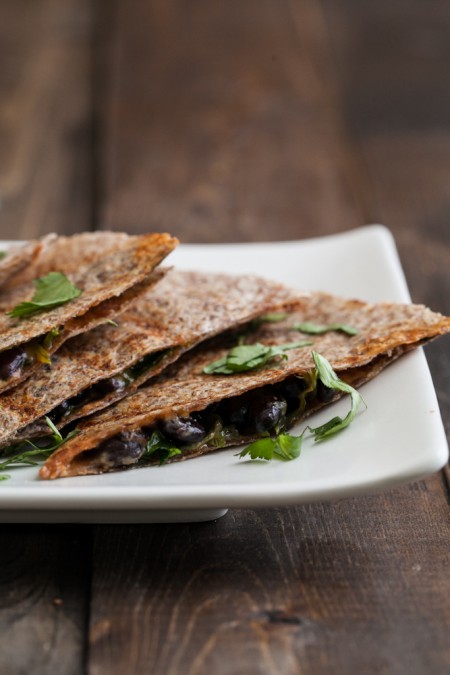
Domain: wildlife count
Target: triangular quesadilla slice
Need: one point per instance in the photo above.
(98, 291)
(187, 411)
(103, 365)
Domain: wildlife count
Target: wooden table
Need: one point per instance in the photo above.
(234, 121)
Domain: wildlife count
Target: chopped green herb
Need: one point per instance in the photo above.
(160, 447)
(331, 380)
(287, 447)
(111, 322)
(51, 335)
(284, 447)
(27, 453)
(317, 329)
(250, 357)
(53, 290)
(3, 254)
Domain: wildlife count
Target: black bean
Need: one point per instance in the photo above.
(234, 411)
(12, 362)
(110, 385)
(58, 413)
(183, 429)
(291, 390)
(324, 394)
(266, 411)
(120, 450)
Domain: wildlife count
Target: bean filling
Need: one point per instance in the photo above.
(260, 412)
(109, 385)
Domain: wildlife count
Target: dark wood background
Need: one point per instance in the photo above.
(225, 121)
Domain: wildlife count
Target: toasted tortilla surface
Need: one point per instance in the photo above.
(181, 310)
(19, 257)
(385, 331)
(104, 281)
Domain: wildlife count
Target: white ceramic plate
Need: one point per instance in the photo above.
(399, 438)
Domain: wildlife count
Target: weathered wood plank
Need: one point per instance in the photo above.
(393, 68)
(333, 588)
(45, 132)
(44, 596)
(217, 124)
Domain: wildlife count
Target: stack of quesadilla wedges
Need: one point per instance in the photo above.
(193, 408)
(147, 366)
(93, 370)
(101, 285)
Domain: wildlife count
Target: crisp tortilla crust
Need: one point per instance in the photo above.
(19, 257)
(384, 332)
(183, 309)
(106, 279)
(68, 254)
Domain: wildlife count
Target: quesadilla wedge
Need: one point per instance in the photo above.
(187, 412)
(105, 364)
(98, 291)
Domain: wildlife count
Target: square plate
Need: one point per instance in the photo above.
(399, 438)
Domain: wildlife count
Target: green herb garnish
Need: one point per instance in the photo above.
(53, 290)
(3, 254)
(250, 357)
(27, 453)
(158, 446)
(331, 380)
(284, 446)
(318, 329)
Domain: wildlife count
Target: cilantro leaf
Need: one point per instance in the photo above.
(331, 380)
(53, 290)
(27, 453)
(284, 447)
(250, 357)
(160, 447)
(318, 329)
(3, 254)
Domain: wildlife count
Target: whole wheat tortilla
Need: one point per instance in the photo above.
(103, 284)
(180, 311)
(67, 254)
(21, 256)
(385, 331)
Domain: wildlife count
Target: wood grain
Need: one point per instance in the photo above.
(44, 586)
(45, 144)
(224, 129)
(332, 588)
